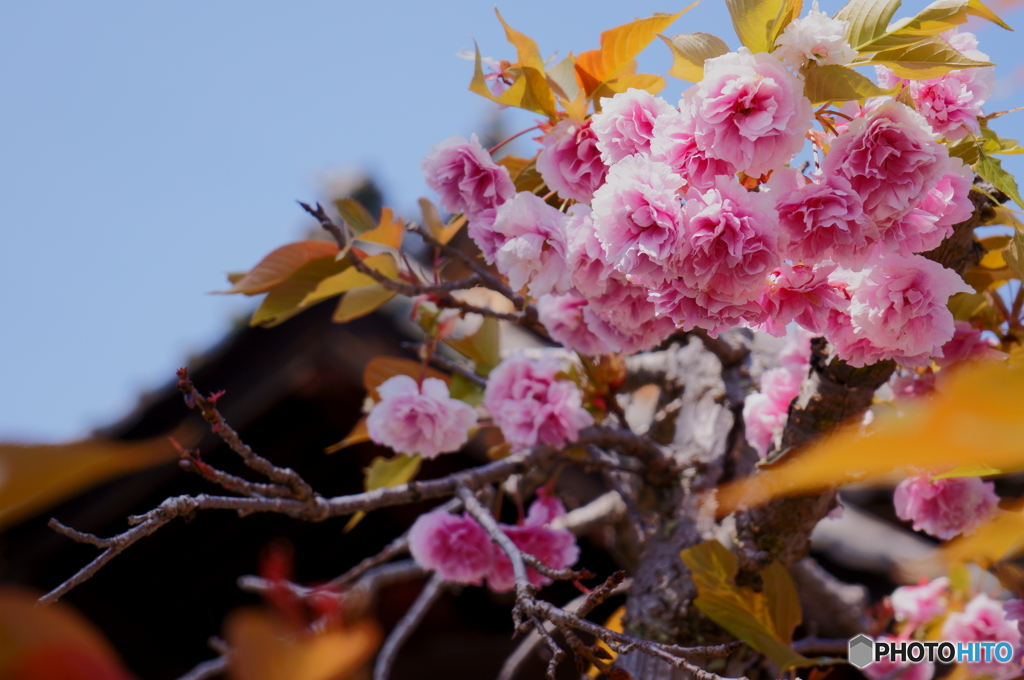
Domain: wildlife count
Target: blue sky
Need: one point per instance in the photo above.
(148, 148)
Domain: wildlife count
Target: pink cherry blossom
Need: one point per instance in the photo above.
(982, 620)
(945, 507)
(967, 344)
(886, 669)
(570, 162)
(637, 215)
(625, 125)
(919, 604)
(749, 111)
(556, 548)
(532, 406)
(455, 546)
(691, 308)
(563, 317)
(675, 144)
(762, 420)
(891, 160)
(913, 385)
(799, 293)
(822, 220)
(586, 260)
(625, 318)
(535, 248)
(730, 242)
(815, 38)
(1014, 611)
(481, 230)
(465, 177)
(419, 419)
(898, 306)
(782, 385)
(796, 351)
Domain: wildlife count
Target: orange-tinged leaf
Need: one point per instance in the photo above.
(530, 89)
(36, 476)
(640, 81)
(973, 420)
(753, 617)
(52, 642)
(279, 265)
(438, 229)
(358, 435)
(380, 369)
(264, 648)
(351, 278)
(388, 233)
(285, 299)
(614, 623)
(361, 301)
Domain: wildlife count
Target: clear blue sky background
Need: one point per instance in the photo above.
(147, 148)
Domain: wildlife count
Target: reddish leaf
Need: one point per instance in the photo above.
(279, 265)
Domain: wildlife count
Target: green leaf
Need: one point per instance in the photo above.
(868, 20)
(931, 58)
(355, 215)
(286, 298)
(756, 21)
(963, 306)
(386, 472)
(992, 170)
(834, 83)
(1014, 254)
(483, 347)
(937, 17)
(690, 51)
(361, 301)
(764, 620)
(466, 390)
(279, 265)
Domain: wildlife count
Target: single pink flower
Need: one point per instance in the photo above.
(419, 419)
(535, 248)
(481, 230)
(637, 215)
(625, 125)
(691, 308)
(823, 220)
(587, 260)
(675, 144)
(802, 294)
(556, 548)
(570, 162)
(946, 507)
(919, 604)
(749, 111)
(625, 318)
(967, 344)
(455, 546)
(466, 177)
(796, 351)
(763, 420)
(1014, 611)
(982, 620)
(532, 406)
(563, 317)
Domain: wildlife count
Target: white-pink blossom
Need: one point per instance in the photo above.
(691, 308)
(534, 251)
(532, 406)
(455, 546)
(982, 620)
(821, 220)
(762, 420)
(796, 350)
(466, 177)
(556, 548)
(799, 293)
(921, 603)
(625, 125)
(729, 243)
(967, 344)
(637, 215)
(750, 111)
(816, 38)
(419, 419)
(674, 144)
(570, 162)
(945, 507)
(587, 260)
(625, 318)
(563, 317)
(481, 230)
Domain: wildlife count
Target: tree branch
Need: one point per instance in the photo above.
(405, 626)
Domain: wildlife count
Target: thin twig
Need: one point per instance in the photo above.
(192, 462)
(207, 669)
(447, 364)
(557, 653)
(406, 625)
(601, 593)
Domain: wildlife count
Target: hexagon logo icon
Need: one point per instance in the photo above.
(861, 651)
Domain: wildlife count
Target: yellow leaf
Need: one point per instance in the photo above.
(969, 471)
(285, 299)
(380, 369)
(432, 220)
(562, 77)
(868, 19)
(52, 642)
(1014, 254)
(351, 278)
(933, 57)
(279, 265)
(993, 258)
(974, 419)
(640, 81)
(359, 302)
(759, 22)
(834, 83)
(978, 9)
(383, 473)
(389, 232)
(36, 476)
(483, 347)
(690, 51)
(530, 89)
(1000, 538)
(358, 435)
(619, 47)
(355, 215)
(264, 648)
(965, 305)
(764, 620)
(1016, 358)
(614, 623)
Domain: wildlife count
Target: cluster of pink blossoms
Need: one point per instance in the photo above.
(653, 228)
(459, 549)
(419, 418)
